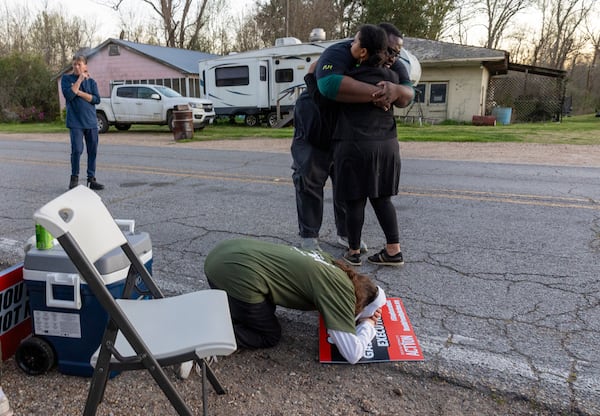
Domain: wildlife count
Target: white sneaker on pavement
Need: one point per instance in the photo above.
(310, 244)
(343, 241)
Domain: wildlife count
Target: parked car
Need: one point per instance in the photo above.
(149, 104)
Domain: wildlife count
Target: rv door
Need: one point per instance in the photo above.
(263, 91)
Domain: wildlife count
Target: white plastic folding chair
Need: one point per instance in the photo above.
(141, 334)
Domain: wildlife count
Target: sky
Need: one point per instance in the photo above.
(107, 20)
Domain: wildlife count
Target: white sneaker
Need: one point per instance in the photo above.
(310, 244)
(343, 241)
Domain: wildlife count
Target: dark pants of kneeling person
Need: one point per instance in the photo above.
(254, 324)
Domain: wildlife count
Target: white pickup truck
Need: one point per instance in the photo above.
(148, 104)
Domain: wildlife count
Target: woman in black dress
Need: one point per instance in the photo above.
(366, 154)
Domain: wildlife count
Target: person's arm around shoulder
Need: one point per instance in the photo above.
(400, 93)
(333, 63)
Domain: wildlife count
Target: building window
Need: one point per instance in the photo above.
(113, 50)
(437, 93)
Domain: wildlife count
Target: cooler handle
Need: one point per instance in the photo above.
(126, 225)
(63, 279)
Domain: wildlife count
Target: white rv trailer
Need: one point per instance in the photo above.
(263, 85)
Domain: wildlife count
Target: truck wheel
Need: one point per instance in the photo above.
(251, 120)
(122, 127)
(102, 123)
(35, 356)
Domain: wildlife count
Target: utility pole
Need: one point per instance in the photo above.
(287, 18)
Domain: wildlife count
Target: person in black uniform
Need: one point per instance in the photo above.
(366, 155)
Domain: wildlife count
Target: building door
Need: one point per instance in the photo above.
(436, 101)
(430, 103)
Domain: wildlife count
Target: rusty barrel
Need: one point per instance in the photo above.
(183, 123)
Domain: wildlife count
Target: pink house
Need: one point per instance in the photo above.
(118, 61)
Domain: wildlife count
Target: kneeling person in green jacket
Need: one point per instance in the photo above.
(258, 276)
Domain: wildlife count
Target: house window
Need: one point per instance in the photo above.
(437, 93)
(284, 75)
(113, 50)
(233, 75)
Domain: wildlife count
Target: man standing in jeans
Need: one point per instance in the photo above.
(81, 96)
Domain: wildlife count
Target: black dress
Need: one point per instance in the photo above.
(366, 151)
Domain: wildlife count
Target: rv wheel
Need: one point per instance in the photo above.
(251, 120)
(35, 356)
(272, 119)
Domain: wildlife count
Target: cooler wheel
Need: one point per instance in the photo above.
(35, 356)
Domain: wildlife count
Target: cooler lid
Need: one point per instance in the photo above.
(56, 260)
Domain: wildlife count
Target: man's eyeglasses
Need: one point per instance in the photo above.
(393, 53)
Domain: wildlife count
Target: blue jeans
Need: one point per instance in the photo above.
(91, 144)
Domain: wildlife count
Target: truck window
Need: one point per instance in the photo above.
(284, 75)
(233, 75)
(263, 73)
(144, 93)
(127, 92)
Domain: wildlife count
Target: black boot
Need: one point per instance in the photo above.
(74, 181)
(92, 184)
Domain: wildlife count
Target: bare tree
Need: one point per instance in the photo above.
(499, 14)
(14, 30)
(437, 13)
(180, 20)
(560, 34)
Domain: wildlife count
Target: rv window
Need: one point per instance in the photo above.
(284, 75)
(263, 73)
(233, 75)
(127, 92)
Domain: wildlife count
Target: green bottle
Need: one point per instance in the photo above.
(43, 239)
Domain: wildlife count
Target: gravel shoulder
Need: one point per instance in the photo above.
(288, 379)
(531, 153)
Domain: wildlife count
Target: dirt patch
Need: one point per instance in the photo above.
(282, 381)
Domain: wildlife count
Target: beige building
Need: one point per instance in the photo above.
(459, 82)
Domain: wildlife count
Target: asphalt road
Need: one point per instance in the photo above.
(501, 275)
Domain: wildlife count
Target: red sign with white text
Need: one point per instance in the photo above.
(395, 339)
(15, 320)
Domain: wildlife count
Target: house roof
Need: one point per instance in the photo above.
(429, 51)
(183, 60)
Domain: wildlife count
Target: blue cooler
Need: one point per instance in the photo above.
(64, 311)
